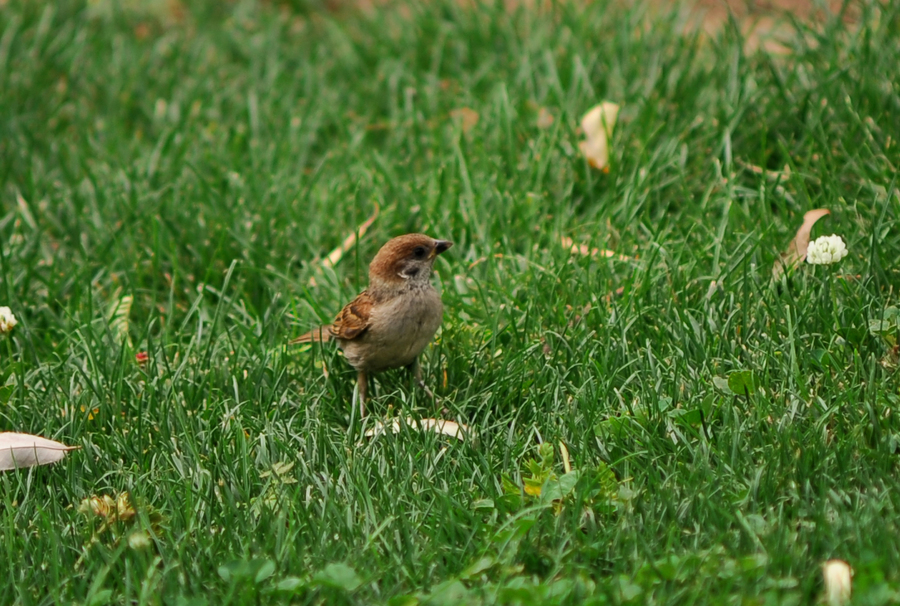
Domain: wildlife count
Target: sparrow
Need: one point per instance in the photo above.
(392, 321)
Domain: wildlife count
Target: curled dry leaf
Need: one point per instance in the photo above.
(598, 125)
(24, 450)
(448, 428)
(796, 251)
(467, 117)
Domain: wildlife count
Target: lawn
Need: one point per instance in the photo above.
(654, 418)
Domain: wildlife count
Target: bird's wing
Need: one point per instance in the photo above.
(349, 324)
(354, 319)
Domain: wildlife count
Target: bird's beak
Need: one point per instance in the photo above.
(439, 247)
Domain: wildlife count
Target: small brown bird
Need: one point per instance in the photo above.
(391, 322)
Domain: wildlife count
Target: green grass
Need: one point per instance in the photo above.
(201, 161)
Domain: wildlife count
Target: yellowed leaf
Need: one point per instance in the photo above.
(532, 489)
(796, 251)
(598, 124)
(564, 453)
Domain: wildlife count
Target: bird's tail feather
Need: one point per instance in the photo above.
(317, 335)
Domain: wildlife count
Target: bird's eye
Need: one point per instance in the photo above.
(419, 252)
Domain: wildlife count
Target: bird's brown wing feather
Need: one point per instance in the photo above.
(354, 318)
(349, 324)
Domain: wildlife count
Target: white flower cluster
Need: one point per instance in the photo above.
(826, 250)
(7, 320)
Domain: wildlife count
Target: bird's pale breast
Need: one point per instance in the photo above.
(399, 330)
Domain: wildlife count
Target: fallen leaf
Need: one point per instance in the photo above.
(796, 251)
(24, 450)
(467, 116)
(448, 428)
(544, 118)
(837, 575)
(598, 125)
(349, 242)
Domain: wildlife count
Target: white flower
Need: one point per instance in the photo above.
(837, 574)
(7, 320)
(826, 250)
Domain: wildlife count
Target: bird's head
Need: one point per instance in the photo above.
(406, 258)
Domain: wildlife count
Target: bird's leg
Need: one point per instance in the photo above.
(363, 389)
(416, 371)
